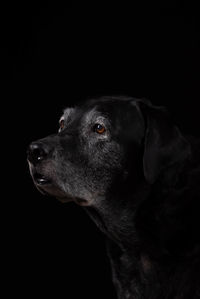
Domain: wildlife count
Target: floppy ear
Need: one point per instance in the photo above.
(164, 145)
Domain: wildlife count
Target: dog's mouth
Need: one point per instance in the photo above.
(49, 188)
(41, 180)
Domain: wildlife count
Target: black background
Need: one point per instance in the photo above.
(53, 55)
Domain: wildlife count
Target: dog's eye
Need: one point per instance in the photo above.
(62, 124)
(99, 129)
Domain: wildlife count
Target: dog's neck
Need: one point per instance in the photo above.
(116, 216)
(118, 222)
(141, 250)
(117, 226)
(148, 220)
(146, 235)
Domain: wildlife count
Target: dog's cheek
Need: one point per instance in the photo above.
(107, 156)
(91, 175)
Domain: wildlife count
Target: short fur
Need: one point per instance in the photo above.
(140, 183)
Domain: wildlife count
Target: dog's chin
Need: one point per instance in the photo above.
(47, 187)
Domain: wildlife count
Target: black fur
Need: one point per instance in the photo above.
(140, 182)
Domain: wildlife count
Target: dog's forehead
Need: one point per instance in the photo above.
(67, 112)
(92, 113)
(85, 113)
(96, 110)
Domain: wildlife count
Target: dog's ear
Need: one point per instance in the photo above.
(164, 145)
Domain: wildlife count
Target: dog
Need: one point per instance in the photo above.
(138, 177)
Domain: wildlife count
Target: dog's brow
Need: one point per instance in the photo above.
(66, 114)
(94, 114)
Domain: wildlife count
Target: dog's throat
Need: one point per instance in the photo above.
(97, 218)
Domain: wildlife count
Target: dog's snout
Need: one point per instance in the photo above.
(36, 152)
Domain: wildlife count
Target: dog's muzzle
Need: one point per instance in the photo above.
(36, 153)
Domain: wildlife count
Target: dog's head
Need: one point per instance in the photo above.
(104, 147)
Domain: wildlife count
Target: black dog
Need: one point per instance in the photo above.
(138, 177)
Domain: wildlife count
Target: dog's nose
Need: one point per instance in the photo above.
(36, 152)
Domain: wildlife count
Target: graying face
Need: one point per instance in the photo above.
(88, 156)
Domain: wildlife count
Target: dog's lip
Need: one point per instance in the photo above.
(41, 179)
(81, 201)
